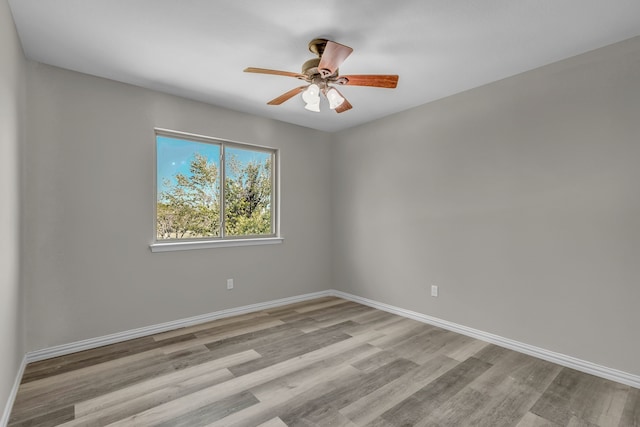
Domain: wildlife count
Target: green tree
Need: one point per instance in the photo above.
(248, 198)
(190, 208)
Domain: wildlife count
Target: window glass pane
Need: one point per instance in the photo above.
(248, 192)
(188, 198)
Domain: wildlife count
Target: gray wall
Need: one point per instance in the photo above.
(12, 65)
(520, 199)
(89, 205)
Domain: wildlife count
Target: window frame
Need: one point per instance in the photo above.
(223, 240)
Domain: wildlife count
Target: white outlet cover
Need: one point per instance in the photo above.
(434, 291)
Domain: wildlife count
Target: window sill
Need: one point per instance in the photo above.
(185, 246)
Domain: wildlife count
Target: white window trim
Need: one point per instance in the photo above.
(207, 244)
(183, 245)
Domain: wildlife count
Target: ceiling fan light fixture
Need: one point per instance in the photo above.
(312, 94)
(315, 107)
(335, 99)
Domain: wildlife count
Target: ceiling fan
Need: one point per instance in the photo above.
(321, 74)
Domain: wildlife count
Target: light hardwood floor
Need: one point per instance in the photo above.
(325, 362)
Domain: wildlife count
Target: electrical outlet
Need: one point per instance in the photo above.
(434, 291)
(229, 284)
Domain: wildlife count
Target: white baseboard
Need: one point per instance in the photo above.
(541, 353)
(551, 356)
(12, 395)
(88, 344)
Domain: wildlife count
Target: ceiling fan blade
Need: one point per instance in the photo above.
(275, 72)
(345, 106)
(286, 96)
(383, 80)
(333, 56)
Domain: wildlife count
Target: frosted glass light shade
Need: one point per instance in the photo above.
(335, 100)
(315, 107)
(312, 94)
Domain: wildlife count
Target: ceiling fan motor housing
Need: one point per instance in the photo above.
(310, 67)
(317, 46)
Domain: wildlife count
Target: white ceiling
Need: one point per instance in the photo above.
(198, 48)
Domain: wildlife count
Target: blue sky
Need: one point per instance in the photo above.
(174, 156)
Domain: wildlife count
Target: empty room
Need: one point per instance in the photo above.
(356, 213)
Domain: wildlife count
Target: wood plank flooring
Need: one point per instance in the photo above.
(324, 362)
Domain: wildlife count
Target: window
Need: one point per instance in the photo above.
(211, 192)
